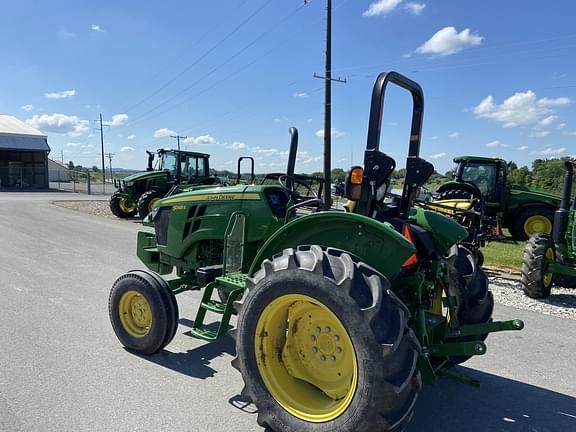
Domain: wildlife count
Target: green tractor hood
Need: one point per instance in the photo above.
(535, 194)
(145, 175)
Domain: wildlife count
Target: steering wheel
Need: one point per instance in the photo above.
(309, 191)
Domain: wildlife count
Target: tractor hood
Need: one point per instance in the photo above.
(534, 194)
(144, 176)
(207, 193)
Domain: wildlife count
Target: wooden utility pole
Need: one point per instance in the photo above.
(328, 107)
(102, 145)
(109, 156)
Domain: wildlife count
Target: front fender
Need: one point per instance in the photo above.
(376, 243)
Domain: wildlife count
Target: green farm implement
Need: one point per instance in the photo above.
(551, 260)
(341, 316)
(137, 193)
(522, 210)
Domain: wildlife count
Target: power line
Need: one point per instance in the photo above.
(221, 65)
(202, 57)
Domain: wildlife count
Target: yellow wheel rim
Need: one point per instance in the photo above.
(135, 314)
(547, 278)
(125, 206)
(152, 203)
(537, 224)
(306, 358)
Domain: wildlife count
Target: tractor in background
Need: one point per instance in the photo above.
(341, 316)
(551, 259)
(522, 210)
(137, 193)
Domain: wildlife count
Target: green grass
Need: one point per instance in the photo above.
(506, 254)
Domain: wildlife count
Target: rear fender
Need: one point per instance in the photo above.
(378, 244)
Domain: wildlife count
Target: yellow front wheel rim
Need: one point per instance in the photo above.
(547, 278)
(125, 206)
(537, 224)
(306, 358)
(135, 314)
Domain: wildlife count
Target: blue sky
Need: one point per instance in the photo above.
(498, 77)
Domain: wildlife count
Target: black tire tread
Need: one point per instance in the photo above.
(400, 347)
(116, 209)
(144, 201)
(533, 265)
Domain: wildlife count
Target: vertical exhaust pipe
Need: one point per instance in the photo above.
(561, 215)
(292, 158)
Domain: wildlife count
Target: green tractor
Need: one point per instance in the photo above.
(551, 260)
(137, 193)
(341, 316)
(522, 210)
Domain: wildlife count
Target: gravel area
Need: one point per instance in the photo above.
(505, 285)
(98, 208)
(507, 291)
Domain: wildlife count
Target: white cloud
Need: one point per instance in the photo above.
(547, 121)
(495, 143)
(519, 109)
(65, 34)
(71, 144)
(301, 95)
(59, 123)
(131, 136)
(96, 28)
(265, 151)
(237, 146)
(118, 120)
(334, 133)
(27, 107)
(382, 7)
(454, 135)
(448, 41)
(552, 151)
(523, 147)
(87, 146)
(60, 95)
(438, 156)
(569, 133)
(200, 140)
(163, 133)
(415, 8)
(561, 126)
(127, 148)
(539, 134)
(309, 120)
(435, 137)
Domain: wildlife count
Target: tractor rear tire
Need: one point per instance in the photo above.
(146, 202)
(143, 311)
(315, 319)
(536, 282)
(475, 301)
(119, 208)
(533, 220)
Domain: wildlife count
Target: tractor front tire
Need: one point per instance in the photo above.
(536, 282)
(146, 202)
(324, 345)
(475, 301)
(121, 208)
(143, 311)
(533, 220)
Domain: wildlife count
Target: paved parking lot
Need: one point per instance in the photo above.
(62, 369)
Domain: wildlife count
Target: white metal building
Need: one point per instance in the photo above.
(23, 155)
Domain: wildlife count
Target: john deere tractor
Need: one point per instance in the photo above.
(341, 315)
(551, 260)
(137, 193)
(522, 210)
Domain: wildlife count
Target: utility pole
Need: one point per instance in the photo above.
(102, 145)
(109, 156)
(178, 164)
(62, 156)
(328, 106)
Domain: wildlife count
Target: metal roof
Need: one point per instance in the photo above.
(17, 135)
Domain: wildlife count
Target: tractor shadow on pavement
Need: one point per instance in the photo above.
(195, 362)
(499, 405)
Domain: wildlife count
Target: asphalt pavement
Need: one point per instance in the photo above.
(62, 368)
